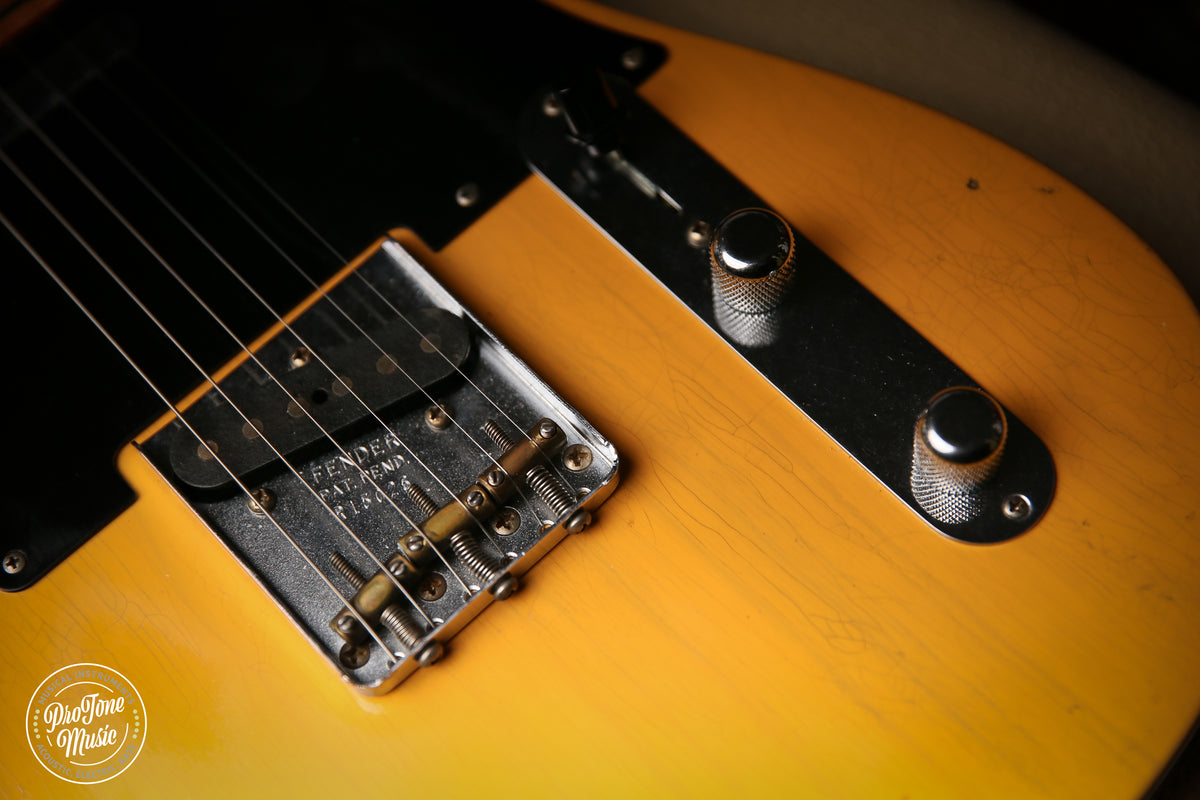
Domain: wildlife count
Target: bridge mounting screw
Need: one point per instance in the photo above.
(354, 656)
(577, 457)
(433, 588)
(507, 522)
(14, 562)
(438, 417)
(260, 501)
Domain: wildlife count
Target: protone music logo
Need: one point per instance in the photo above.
(86, 723)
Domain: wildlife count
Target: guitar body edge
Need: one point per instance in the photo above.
(751, 612)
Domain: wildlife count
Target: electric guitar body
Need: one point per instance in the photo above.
(751, 613)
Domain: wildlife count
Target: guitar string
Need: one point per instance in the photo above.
(24, 178)
(113, 150)
(178, 414)
(133, 106)
(174, 211)
(72, 167)
(4, 158)
(216, 189)
(266, 187)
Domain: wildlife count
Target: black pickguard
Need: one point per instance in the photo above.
(360, 116)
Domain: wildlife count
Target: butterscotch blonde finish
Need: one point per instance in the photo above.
(751, 614)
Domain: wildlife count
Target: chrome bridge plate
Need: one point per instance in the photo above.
(349, 493)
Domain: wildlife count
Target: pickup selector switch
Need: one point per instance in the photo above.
(753, 258)
(957, 446)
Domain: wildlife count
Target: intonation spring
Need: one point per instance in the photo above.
(543, 482)
(550, 489)
(470, 553)
(399, 622)
(498, 436)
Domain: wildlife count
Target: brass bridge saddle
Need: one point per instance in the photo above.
(385, 468)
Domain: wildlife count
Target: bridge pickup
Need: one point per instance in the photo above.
(383, 539)
(348, 385)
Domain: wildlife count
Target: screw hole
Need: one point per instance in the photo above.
(319, 396)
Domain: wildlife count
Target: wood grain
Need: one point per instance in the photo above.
(751, 613)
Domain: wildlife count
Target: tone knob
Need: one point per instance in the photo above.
(753, 256)
(957, 446)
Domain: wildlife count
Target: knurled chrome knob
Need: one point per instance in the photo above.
(753, 259)
(957, 446)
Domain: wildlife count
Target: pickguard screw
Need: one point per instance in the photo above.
(507, 522)
(300, 357)
(550, 106)
(354, 656)
(547, 429)
(577, 457)
(1017, 507)
(467, 195)
(14, 562)
(261, 501)
(699, 233)
(633, 58)
(433, 588)
(438, 417)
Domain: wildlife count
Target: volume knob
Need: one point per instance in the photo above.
(753, 258)
(957, 446)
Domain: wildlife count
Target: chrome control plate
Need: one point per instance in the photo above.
(835, 350)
